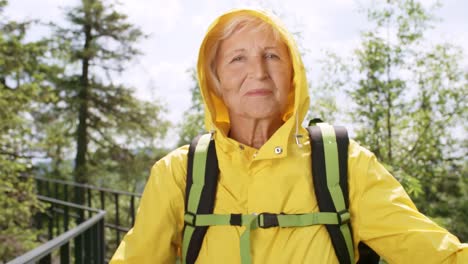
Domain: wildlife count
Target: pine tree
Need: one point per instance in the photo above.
(107, 117)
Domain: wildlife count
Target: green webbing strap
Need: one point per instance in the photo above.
(308, 219)
(284, 220)
(333, 180)
(252, 222)
(199, 166)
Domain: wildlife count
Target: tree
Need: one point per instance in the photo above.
(193, 123)
(110, 119)
(23, 90)
(409, 100)
(325, 92)
(434, 155)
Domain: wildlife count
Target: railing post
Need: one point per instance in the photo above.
(65, 192)
(95, 247)
(46, 260)
(87, 246)
(117, 218)
(132, 209)
(65, 218)
(39, 186)
(47, 189)
(50, 223)
(103, 202)
(65, 253)
(89, 200)
(56, 191)
(79, 241)
(102, 244)
(56, 220)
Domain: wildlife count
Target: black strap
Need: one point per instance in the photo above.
(207, 199)
(367, 255)
(322, 193)
(325, 202)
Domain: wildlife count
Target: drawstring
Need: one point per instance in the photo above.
(296, 134)
(211, 130)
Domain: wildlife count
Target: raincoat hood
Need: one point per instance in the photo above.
(216, 112)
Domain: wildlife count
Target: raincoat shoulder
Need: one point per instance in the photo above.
(156, 235)
(386, 219)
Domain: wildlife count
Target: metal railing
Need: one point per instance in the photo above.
(85, 239)
(119, 205)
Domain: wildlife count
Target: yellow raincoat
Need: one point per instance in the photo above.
(262, 180)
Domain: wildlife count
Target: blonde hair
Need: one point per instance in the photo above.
(219, 33)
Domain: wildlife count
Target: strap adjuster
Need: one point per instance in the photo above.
(190, 219)
(343, 217)
(267, 220)
(236, 220)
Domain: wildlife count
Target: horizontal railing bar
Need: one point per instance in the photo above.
(68, 204)
(115, 227)
(46, 248)
(108, 225)
(62, 212)
(88, 186)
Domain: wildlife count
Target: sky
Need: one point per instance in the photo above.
(177, 27)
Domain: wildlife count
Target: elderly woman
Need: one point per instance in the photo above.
(255, 93)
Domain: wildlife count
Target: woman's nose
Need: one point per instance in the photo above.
(258, 68)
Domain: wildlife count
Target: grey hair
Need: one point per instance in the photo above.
(235, 24)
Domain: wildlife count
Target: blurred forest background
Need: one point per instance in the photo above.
(62, 115)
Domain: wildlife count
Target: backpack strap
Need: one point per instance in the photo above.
(202, 174)
(263, 220)
(329, 154)
(202, 179)
(329, 172)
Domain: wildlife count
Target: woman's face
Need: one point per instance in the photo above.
(255, 74)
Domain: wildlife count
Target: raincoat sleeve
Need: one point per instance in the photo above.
(388, 221)
(156, 235)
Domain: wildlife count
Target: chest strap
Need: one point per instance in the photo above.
(264, 220)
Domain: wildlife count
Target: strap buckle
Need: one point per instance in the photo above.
(190, 219)
(343, 217)
(267, 220)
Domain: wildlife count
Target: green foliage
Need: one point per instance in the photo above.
(18, 203)
(409, 103)
(323, 102)
(193, 123)
(23, 89)
(123, 169)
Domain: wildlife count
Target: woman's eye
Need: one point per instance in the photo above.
(271, 56)
(238, 58)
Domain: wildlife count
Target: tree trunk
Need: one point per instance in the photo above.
(80, 170)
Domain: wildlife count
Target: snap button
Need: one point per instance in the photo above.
(278, 150)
